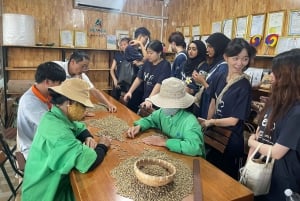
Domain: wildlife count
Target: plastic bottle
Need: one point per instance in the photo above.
(291, 196)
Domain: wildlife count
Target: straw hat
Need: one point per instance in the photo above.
(172, 95)
(75, 89)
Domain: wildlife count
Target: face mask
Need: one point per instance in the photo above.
(169, 111)
(76, 112)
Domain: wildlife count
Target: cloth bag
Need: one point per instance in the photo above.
(257, 173)
(126, 75)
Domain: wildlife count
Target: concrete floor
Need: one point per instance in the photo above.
(5, 192)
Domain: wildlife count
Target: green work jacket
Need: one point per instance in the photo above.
(54, 152)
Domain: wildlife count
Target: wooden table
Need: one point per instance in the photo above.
(98, 185)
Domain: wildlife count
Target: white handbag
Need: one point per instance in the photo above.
(256, 174)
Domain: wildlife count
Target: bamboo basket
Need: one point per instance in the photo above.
(151, 180)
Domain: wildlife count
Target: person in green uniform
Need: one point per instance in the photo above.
(62, 143)
(181, 128)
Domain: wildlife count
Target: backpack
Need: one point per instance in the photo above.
(126, 75)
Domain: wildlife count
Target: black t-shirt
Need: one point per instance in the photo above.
(286, 171)
(119, 57)
(236, 102)
(153, 74)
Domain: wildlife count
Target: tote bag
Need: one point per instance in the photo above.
(257, 173)
(126, 75)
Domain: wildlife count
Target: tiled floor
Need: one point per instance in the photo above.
(5, 192)
(4, 189)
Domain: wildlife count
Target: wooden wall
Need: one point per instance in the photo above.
(52, 16)
(204, 12)
(55, 15)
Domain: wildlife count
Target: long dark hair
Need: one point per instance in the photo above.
(285, 92)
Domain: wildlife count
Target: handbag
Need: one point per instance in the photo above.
(257, 173)
(126, 75)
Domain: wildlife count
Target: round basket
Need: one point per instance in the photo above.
(152, 180)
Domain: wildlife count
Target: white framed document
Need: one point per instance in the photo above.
(196, 30)
(227, 28)
(275, 23)
(66, 38)
(80, 39)
(294, 23)
(241, 27)
(257, 25)
(122, 34)
(287, 43)
(186, 31)
(216, 27)
(203, 38)
(179, 29)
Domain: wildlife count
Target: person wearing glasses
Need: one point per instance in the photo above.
(76, 67)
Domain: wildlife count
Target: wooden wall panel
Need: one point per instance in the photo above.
(53, 16)
(204, 12)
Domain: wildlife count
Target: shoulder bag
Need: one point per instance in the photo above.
(257, 173)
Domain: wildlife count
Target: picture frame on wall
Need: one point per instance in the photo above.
(257, 24)
(294, 21)
(186, 31)
(122, 34)
(179, 29)
(187, 40)
(196, 30)
(66, 38)
(241, 28)
(227, 27)
(287, 43)
(196, 37)
(80, 39)
(204, 37)
(275, 22)
(216, 27)
(111, 42)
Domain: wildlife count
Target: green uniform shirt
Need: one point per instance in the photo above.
(183, 130)
(54, 152)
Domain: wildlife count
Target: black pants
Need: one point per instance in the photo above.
(136, 99)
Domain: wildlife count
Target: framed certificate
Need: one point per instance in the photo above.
(275, 23)
(66, 38)
(287, 43)
(203, 38)
(178, 29)
(196, 30)
(122, 34)
(294, 21)
(80, 39)
(241, 27)
(216, 27)
(257, 25)
(186, 31)
(227, 27)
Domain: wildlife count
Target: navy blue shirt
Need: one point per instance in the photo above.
(133, 53)
(177, 64)
(220, 68)
(236, 102)
(153, 74)
(119, 57)
(286, 171)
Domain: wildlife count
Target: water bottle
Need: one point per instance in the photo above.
(291, 196)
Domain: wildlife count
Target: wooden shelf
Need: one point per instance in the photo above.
(34, 68)
(265, 56)
(61, 48)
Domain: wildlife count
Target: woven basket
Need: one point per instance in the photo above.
(151, 180)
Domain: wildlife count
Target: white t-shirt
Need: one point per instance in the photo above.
(64, 65)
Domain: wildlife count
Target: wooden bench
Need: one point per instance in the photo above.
(217, 138)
